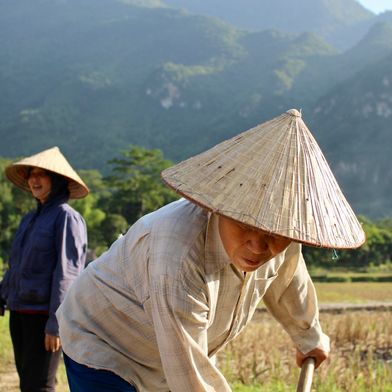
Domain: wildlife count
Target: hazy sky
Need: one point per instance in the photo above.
(377, 6)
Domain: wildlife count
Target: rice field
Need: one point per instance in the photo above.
(262, 358)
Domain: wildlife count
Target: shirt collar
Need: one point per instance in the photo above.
(215, 255)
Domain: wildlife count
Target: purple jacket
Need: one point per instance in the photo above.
(48, 253)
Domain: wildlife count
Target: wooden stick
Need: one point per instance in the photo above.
(306, 376)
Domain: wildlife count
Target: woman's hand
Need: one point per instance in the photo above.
(318, 354)
(52, 343)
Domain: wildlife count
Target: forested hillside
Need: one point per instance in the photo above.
(93, 76)
(340, 22)
(363, 134)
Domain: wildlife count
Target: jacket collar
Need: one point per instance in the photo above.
(60, 199)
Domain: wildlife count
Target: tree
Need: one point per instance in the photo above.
(375, 251)
(112, 227)
(88, 208)
(14, 203)
(135, 186)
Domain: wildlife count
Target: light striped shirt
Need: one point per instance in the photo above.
(157, 306)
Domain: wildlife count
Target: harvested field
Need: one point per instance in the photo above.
(361, 356)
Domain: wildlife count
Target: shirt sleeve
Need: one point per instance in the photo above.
(180, 316)
(292, 300)
(71, 247)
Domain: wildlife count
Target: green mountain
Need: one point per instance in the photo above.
(373, 46)
(220, 102)
(128, 76)
(323, 74)
(339, 22)
(353, 125)
(73, 72)
(93, 76)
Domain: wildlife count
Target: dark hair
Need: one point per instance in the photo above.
(59, 186)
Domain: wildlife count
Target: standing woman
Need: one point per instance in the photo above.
(48, 253)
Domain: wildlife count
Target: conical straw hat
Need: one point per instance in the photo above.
(52, 160)
(273, 177)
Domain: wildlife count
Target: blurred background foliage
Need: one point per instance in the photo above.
(133, 188)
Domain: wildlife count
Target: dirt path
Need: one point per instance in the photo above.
(9, 381)
(339, 308)
(347, 307)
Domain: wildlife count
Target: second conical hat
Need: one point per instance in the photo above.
(53, 160)
(273, 177)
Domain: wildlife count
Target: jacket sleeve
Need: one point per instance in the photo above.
(5, 283)
(292, 300)
(71, 247)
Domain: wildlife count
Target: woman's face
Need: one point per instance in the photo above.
(247, 247)
(40, 184)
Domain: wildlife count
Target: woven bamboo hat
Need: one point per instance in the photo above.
(52, 160)
(273, 177)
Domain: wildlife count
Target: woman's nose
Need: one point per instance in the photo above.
(33, 179)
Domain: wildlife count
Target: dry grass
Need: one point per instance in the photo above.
(360, 360)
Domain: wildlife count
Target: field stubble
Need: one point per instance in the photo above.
(360, 359)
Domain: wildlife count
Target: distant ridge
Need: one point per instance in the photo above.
(93, 76)
(340, 22)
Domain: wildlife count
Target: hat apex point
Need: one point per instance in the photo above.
(294, 112)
